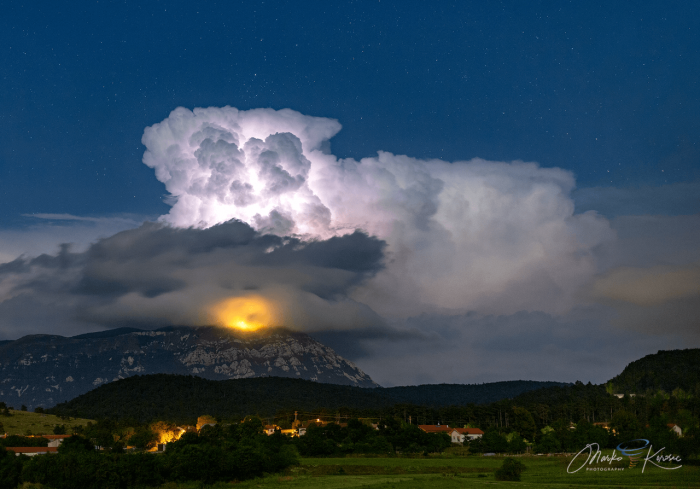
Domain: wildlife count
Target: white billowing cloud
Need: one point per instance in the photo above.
(223, 163)
(498, 237)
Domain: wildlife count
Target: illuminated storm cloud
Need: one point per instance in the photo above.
(500, 237)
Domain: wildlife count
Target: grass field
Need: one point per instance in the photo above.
(474, 471)
(24, 423)
(451, 472)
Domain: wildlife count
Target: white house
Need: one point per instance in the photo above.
(457, 435)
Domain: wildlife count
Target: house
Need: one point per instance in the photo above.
(457, 435)
(55, 440)
(271, 428)
(31, 451)
(303, 426)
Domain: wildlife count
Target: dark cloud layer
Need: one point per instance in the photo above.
(156, 275)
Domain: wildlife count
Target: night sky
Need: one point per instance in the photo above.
(555, 239)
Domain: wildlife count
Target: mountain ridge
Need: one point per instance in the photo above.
(43, 370)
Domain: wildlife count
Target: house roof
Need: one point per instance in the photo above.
(32, 449)
(469, 431)
(431, 428)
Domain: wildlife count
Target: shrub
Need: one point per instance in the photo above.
(510, 470)
(21, 441)
(76, 444)
(548, 443)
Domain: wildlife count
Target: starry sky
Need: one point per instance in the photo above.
(596, 103)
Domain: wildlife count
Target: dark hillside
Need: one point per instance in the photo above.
(573, 402)
(184, 397)
(439, 395)
(665, 370)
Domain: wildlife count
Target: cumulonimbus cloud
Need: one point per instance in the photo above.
(494, 236)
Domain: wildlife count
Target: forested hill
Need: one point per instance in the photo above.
(181, 397)
(439, 395)
(665, 370)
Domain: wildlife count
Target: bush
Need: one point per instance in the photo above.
(10, 469)
(493, 441)
(510, 470)
(548, 443)
(21, 441)
(76, 444)
(143, 439)
(516, 444)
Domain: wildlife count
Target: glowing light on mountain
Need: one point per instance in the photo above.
(248, 313)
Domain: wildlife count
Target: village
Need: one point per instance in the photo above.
(166, 433)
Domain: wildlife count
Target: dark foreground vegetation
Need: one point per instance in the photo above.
(215, 453)
(233, 452)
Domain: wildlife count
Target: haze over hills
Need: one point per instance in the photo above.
(43, 370)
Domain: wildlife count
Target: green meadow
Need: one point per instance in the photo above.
(457, 472)
(26, 423)
(448, 472)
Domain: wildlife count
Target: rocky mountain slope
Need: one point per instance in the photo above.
(43, 370)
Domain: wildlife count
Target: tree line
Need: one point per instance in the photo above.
(234, 452)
